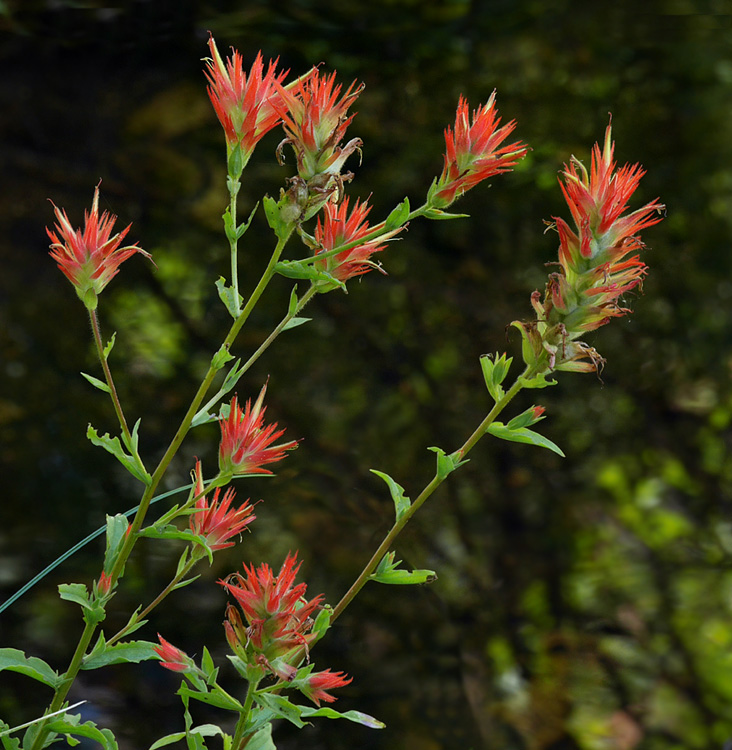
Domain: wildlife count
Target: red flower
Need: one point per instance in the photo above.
(473, 152)
(89, 259)
(594, 268)
(171, 657)
(246, 444)
(243, 103)
(215, 521)
(315, 122)
(276, 612)
(340, 228)
(314, 686)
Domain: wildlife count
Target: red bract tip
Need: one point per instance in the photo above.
(172, 658)
(277, 614)
(473, 152)
(246, 444)
(91, 258)
(315, 685)
(215, 521)
(244, 104)
(340, 228)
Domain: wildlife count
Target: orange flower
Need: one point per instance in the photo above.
(215, 521)
(246, 444)
(340, 228)
(89, 259)
(315, 122)
(473, 152)
(244, 104)
(594, 268)
(314, 686)
(172, 658)
(276, 612)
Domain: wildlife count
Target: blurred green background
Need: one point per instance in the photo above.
(583, 602)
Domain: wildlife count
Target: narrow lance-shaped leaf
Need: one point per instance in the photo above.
(97, 383)
(523, 435)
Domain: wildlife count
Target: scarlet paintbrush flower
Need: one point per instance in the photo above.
(91, 258)
(243, 103)
(340, 228)
(315, 122)
(594, 268)
(172, 658)
(473, 152)
(246, 444)
(215, 521)
(277, 614)
(314, 686)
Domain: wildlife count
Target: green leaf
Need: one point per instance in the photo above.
(117, 527)
(322, 622)
(221, 357)
(294, 301)
(214, 698)
(235, 164)
(169, 739)
(262, 740)
(388, 572)
(9, 743)
(129, 652)
(294, 323)
(329, 713)
(495, 368)
(436, 213)
(113, 446)
(398, 216)
(446, 464)
(75, 592)
(110, 344)
(228, 297)
(281, 706)
(69, 725)
(297, 269)
(14, 660)
(523, 435)
(401, 502)
(538, 381)
(97, 383)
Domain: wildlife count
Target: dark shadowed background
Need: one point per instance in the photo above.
(583, 602)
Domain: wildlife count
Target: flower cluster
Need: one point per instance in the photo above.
(595, 270)
(473, 152)
(277, 616)
(246, 444)
(339, 227)
(315, 118)
(91, 258)
(216, 521)
(244, 104)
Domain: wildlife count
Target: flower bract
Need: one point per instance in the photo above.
(89, 258)
(246, 443)
(473, 152)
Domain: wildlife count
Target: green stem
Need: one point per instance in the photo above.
(234, 185)
(185, 424)
(69, 677)
(154, 603)
(434, 483)
(240, 741)
(108, 376)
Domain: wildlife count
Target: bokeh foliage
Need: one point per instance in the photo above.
(581, 603)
